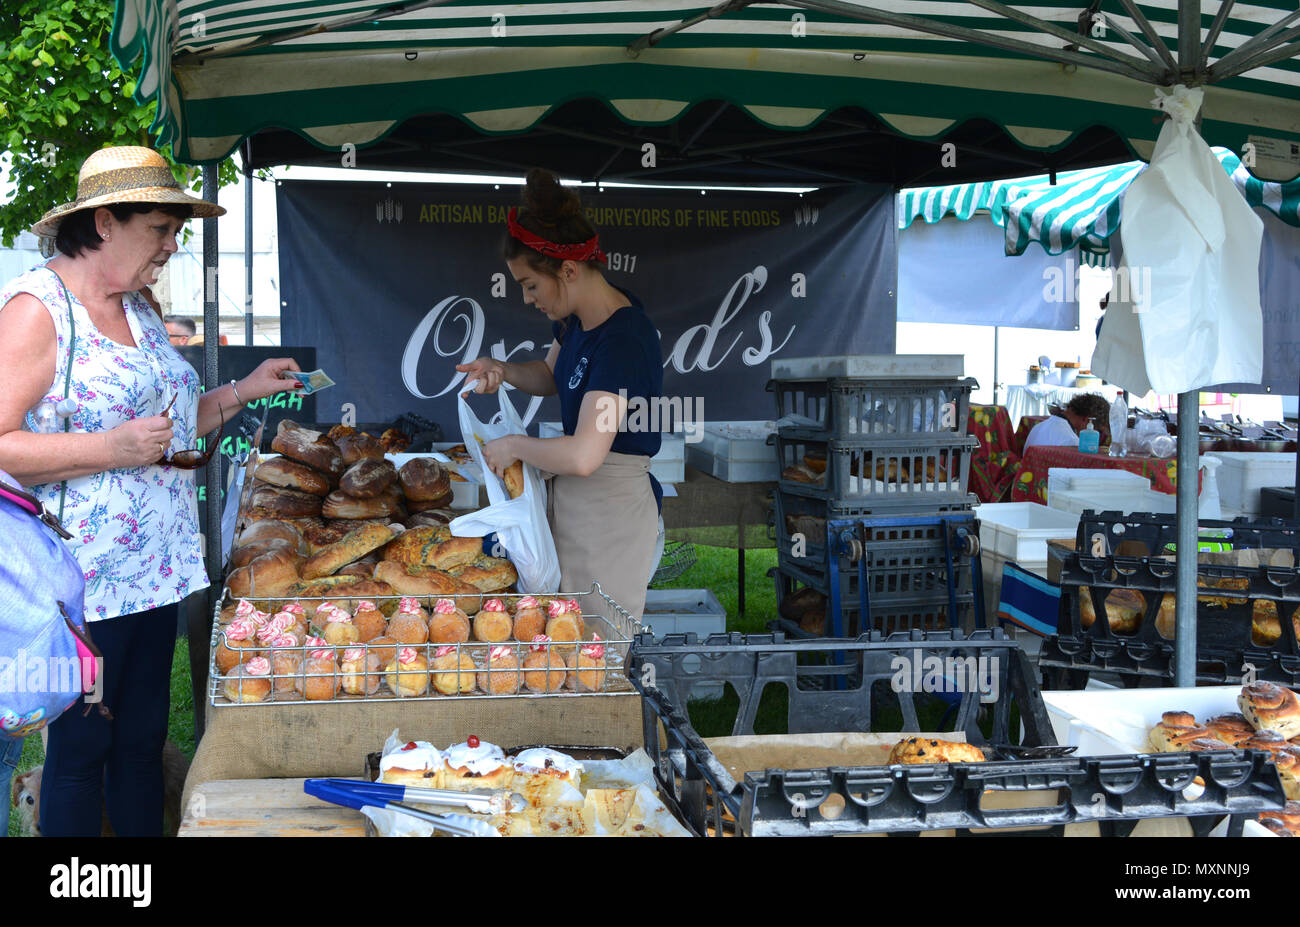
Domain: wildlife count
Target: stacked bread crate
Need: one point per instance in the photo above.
(880, 441)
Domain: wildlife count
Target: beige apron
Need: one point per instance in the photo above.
(606, 527)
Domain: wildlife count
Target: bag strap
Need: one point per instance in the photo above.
(34, 506)
(67, 389)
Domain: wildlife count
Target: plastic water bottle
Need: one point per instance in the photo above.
(1119, 427)
(46, 417)
(1089, 439)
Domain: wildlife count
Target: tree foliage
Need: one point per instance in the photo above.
(62, 97)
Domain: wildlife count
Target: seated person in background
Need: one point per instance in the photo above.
(179, 329)
(1064, 425)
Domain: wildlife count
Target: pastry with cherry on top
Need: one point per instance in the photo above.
(417, 763)
(474, 765)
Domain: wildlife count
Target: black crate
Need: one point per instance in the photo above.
(857, 409)
(884, 476)
(835, 686)
(1140, 648)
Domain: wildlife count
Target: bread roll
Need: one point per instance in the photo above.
(335, 530)
(431, 518)
(362, 569)
(341, 505)
(1176, 731)
(416, 545)
(359, 446)
(922, 750)
(354, 546)
(367, 478)
(1233, 729)
(283, 503)
(394, 441)
(309, 447)
(1124, 609)
(1269, 706)
(514, 479)
(424, 479)
(290, 474)
(268, 575)
(801, 474)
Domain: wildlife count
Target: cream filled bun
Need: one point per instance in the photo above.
(545, 762)
(476, 764)
(417, 763)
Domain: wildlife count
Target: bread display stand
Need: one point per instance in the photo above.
(737, 785)
(1260, 568)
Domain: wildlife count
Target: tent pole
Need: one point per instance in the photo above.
(199, 621)
(1185, 567)
(996, 331)
(248, 249)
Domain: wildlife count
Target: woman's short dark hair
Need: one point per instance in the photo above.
(549, 210)
(77, 232)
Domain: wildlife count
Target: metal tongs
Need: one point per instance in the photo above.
(353, 794)
(1034, 753)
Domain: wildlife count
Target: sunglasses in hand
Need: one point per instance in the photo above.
(192, 459)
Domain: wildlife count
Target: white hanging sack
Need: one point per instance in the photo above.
(520, 524)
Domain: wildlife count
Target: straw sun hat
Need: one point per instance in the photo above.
(127, 174)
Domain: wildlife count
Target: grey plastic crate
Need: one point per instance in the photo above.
(854, 410)
(685, 611)
(871, 366)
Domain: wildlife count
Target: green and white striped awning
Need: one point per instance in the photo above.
(346, 72)
(1081, 210)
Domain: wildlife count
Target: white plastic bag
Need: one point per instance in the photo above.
(1185, 312)
(520, 523)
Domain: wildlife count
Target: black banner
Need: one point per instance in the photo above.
(396, 285)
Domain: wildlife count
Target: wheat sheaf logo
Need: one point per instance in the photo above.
(806, 215)
(389, 210)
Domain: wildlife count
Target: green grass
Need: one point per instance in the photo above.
(180, 726)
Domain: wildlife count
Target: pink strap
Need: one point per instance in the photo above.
(20, 501)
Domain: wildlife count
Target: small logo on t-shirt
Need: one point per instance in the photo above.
(578, 373)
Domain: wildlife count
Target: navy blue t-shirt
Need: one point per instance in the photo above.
(621, 353)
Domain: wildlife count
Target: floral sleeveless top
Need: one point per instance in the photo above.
(135, 530)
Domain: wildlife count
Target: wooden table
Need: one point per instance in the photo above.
(265, 808)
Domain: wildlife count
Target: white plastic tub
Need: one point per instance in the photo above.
(1117, 722)
(1020, 531)
(1243, 474)
(735, 452)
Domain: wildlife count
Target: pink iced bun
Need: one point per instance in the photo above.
(494, 605)
(258, 666)
(406, 655)
(445, 607)
(408, 605)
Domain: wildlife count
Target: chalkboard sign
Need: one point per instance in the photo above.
(234, 362)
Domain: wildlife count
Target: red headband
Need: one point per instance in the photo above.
(588, 250)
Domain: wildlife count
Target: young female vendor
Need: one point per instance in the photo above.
(603, 504)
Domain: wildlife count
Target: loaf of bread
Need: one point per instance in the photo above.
(487, 574)
(333, 531)
(414, 507)
(355, 545)
(290, 474)
(514, 479)
(268, 575)
(359, 446)
(362, 569)
(259, 532)
(309, 447)
(914, 750)
(283, 503)
(424, 479)
(245, 555)
(1269, 706)
(801, 474)
(415, 581)
(416, 545)
(367, 478)
(1176, 731)
(341, 505)
(431, 518)
(1124, 608)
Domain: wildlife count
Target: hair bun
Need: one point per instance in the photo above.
(546, 200)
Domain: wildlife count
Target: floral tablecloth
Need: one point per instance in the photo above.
(1030, 483)
(993, 465)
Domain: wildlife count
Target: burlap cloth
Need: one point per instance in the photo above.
(333, 738)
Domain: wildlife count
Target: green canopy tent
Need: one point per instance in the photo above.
(825, 89)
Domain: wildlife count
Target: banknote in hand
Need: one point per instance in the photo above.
(313, 381)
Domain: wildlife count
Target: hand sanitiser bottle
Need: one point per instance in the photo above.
(1089, 439)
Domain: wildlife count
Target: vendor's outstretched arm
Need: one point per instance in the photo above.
(580, 454)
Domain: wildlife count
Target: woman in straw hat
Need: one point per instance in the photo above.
(96, 411)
